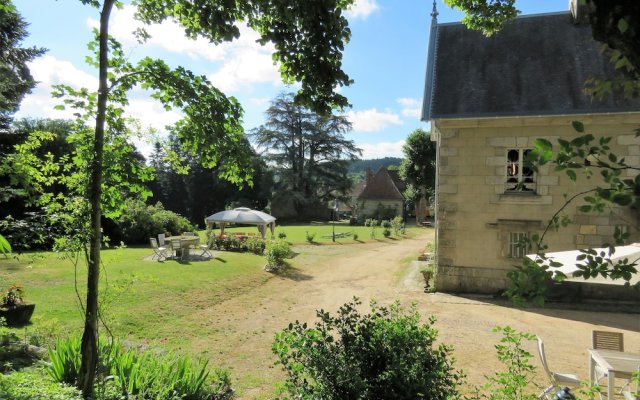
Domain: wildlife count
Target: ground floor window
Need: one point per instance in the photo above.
(518, 245)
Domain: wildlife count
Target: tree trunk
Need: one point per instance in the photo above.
(89, 346)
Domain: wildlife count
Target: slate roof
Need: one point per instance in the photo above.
(537, 65)
(381, 187)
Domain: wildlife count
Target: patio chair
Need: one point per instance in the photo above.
(176, 245)
(161, 237)
(159, 252)
(206, 248)
(558, 379)
(606, 340)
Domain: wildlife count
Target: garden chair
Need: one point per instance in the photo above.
(161, 237)
(558, 379)
(159, 252)
(176, 245)
(206, 248)
(606, 340)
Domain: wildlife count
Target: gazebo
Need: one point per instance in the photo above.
(243, 215)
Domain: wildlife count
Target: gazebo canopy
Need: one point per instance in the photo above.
(243, 215)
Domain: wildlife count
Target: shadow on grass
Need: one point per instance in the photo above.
(293, 274)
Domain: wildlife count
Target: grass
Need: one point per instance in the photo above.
(162, 303)
(132, 286)
(296, 234)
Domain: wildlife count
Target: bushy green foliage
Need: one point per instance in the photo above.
(373, 224)
(514, 382)
(282, 235)
(387, 354)
(139, 222)
(398, 225)
(33, 384)
(65, 360)
(527, 282)
(310, 236)
(5, 247)
(276, 252)
(145, 375)
(386, 232)
(255, 245)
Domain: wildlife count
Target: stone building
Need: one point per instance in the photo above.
(381, 197)
(488, 99)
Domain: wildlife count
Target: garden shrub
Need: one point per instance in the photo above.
(276, 253)
(310, 236)
(33, 384)
(387, 354)
(143, 375)
(514, 382)
(282, 235)
(398, 225)
(139, 222)
(386, 232)
(255, 245)
(386, 224)
(373, 224)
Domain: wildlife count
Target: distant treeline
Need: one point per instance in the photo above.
(375, 164)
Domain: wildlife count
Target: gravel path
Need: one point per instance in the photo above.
(328, 276)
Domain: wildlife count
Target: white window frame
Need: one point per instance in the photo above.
(516, 250)
(518, 179)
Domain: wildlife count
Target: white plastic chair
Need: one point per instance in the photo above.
(558, 379)
(161, 237)
(206, 248)
(159, 252)
(176, 245)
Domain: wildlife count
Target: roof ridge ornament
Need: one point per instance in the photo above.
(434, 14)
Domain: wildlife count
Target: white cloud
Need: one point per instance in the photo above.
(410, 107)
(372, 120)
(168, 36)
(239, 63)
(382, 149)
(247, 63)
(362, 9)
(48, 71)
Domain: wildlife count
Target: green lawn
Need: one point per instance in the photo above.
(296, 234)
(150, 302)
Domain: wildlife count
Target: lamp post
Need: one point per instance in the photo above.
(333, 218)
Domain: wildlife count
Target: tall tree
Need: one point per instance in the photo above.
(307, 151)
(15, 77)
(308, 42)
(419, 164)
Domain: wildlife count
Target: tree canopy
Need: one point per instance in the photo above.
(15, 77)
(308, 43)
(307, 151)
(418, 168)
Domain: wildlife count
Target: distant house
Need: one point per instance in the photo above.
(488, 99)
(381, 197)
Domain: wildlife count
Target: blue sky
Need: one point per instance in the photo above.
(386, 57)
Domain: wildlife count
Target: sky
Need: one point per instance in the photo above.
(386, 58)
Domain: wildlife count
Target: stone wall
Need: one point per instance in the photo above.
(476, 217)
